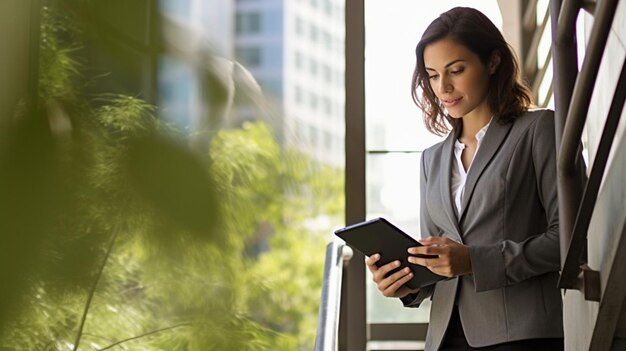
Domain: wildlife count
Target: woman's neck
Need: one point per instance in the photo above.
(472, 125)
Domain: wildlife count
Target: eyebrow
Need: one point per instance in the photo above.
(448, 65)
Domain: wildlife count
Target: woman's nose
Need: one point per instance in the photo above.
(445, 86)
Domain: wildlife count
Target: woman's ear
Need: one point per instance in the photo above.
(494, 61)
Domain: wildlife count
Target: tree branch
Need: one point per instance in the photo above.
(92, 292)
(144, 335)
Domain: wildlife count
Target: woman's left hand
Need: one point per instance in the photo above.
(453, 258)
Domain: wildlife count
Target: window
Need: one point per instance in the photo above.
(298, 94)
(327, 73)
(328, 140)
(328, 7)
(313, 136)
(273, 87)
(313, 101)
(299, 26)
(248, 23)
(339, 78)
(176, 8)
(249, 56)
(313, 33)
(313, 66)
(327, 105)
(272, 22)
(299, 61)
(177, 83)
(327, 40)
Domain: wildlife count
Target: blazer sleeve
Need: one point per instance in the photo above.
(538, 254)
(427, 226)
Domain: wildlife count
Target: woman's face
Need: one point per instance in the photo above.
(459, 79)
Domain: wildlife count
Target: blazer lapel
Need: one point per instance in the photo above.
(494, 137)
(446, 173)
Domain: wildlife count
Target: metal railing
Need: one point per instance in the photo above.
(573, 94)
(328, 318)
(535, 63)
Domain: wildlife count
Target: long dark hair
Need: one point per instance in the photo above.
(508, 95)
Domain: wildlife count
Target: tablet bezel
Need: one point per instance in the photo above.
(380, 236)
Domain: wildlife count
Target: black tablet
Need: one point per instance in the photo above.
(380, 236)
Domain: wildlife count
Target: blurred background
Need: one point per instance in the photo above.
(171, 171)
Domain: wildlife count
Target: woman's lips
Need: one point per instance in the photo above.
(450, 102)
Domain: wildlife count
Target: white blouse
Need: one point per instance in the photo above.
(459, 175)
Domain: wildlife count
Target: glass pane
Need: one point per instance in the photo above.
(392, 31)
(283, 135)
(178, 92)
(393, 193)
(394, 127)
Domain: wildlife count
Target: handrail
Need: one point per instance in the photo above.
(328, 318)
(565, 59)
(573, 231)
(571, 269)
(565, 66)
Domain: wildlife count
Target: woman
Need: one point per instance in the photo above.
(488, 196)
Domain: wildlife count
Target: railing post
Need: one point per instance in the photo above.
(565, 63)
(352, 325)
(326, 338)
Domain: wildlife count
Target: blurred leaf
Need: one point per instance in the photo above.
(125, 116)
(30, 198)
(176, 182)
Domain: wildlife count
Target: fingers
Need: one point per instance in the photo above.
(381, 272)
(389, 286)
(441, 266)
(433, 240)
(371, 262)
(451, 258)
(430, 251)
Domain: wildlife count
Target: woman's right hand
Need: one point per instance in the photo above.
(393, 285)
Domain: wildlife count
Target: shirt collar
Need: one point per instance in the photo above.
(479, 136)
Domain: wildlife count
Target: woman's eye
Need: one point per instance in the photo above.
(433, 77)
(458, 71)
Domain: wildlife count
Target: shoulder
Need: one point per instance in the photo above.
(432, 155)
(537, 115)
(434, 150)
(539, 127)
(535, 121)
(540, 116)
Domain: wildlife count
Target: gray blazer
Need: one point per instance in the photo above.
(509, 220)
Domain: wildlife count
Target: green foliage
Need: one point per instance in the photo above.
(58, 68)
(117, 233)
